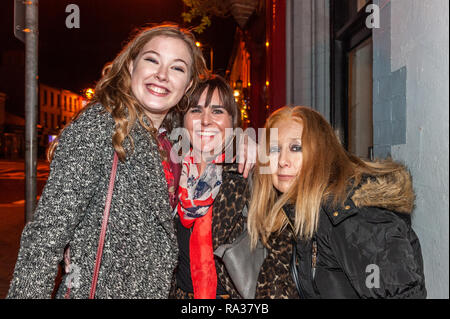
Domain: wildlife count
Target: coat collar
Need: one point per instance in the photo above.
(336, 214)
(339, 213)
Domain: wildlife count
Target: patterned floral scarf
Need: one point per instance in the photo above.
(196, 196)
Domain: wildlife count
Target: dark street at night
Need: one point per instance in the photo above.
(73, 59)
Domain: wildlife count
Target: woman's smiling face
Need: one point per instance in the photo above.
(206, 124)
(161, 75)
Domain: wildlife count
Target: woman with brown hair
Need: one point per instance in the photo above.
(334, 226)
(212, 194)
(137, 94)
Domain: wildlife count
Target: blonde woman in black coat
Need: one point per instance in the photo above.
(334, 226)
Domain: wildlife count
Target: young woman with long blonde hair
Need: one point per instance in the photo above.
(152, 76)
(335, 226)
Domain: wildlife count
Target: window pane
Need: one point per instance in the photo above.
(360, 126)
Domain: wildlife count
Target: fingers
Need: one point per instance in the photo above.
(241, 153)
(247, 152)
(241, 168)
(246, 170)
(252, 152)
(248, 167)
(67, 260)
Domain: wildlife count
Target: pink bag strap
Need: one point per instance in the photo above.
(101, 240)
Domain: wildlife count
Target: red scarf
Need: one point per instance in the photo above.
(171, 169)
(192, 214)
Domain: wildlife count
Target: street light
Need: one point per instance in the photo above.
(89, 93)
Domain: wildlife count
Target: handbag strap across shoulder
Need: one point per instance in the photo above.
(101, 240)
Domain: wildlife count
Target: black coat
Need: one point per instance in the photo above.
(363, 250)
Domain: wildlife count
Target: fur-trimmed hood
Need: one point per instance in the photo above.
(393, 192)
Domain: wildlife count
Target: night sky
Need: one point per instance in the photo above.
(73, 58)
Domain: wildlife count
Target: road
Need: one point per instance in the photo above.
(12, 212)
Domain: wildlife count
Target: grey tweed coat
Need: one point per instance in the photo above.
(140, 250)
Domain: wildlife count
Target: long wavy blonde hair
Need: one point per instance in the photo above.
(113, 90)
(327, 172)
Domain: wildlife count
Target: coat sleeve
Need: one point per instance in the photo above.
(72, 182)
(380, 255)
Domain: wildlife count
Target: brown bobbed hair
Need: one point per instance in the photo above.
(327, 175)
(226, 96)
(114, 92)
(216, 82)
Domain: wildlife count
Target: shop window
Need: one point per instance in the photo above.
(351, 76)
(360, 123)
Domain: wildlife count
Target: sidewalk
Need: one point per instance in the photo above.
(16, 169)
(12, 220)
(12, 214)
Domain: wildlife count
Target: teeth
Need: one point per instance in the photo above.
(158, 89)
(207, 133)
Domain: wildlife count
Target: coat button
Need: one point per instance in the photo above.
(347, 207)
(335, 214)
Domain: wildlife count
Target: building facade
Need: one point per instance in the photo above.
(378, 71)
(56, 108)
